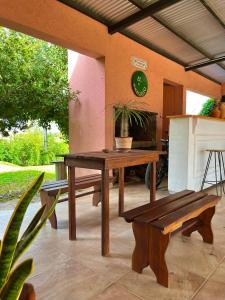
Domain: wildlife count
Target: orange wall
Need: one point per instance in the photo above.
(223, 89)
(60, 24)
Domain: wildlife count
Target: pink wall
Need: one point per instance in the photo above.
(53, 21)
(87, 119)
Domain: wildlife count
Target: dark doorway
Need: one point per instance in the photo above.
(172, 104)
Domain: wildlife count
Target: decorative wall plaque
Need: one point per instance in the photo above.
(139, 83)
(139, 63)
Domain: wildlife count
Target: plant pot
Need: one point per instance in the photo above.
(123, 143)
(222, 109)
(216, 113)
(28, 292)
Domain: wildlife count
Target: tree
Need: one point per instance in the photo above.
(33, 83)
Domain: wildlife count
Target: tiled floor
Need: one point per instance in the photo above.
(76, 270)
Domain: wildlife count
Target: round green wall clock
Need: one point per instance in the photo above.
(139, 83)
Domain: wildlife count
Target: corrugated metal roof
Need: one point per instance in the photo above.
(151, 31)
(213, 71)
(144, 3)
(106, 11)
(193, 20)
(185, 32)
(218, 6)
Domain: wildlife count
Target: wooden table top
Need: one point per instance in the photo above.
(101, 155)
(111, 159)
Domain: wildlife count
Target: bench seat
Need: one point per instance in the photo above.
(153, 224)
(49, 191)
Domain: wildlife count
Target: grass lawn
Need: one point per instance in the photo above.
(14, 183)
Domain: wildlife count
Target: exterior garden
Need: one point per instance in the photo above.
(23, 158)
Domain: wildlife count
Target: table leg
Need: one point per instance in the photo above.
(121, 191)
(105, 212)
(72, 205)
(153, 181)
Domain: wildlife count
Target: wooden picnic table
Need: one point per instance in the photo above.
(106, 161)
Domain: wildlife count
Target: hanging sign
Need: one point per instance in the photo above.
(139, 63)
(139, 83)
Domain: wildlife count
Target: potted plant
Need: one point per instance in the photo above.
(208, 107)
(128, 113)
(12, 276)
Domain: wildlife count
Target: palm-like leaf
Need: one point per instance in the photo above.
(9, 242)
(132, 111)
(34, 221)
(30, 236)
(13, 287)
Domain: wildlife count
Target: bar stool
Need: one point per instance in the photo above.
(218, 158)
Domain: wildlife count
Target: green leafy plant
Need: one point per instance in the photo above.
(12, 277)
(207, 107)
(26, 148)
(129, 113)
(34, 83)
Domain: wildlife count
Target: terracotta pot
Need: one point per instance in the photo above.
(28, 292)
(123, 143)
(222, 109)
(216, 112)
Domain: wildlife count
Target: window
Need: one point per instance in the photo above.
(194, 102)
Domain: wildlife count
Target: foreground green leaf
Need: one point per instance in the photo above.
(29, 237)
(10, 238)
(13, 287)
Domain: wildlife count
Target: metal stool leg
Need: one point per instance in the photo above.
(206, 169)
(220, 169)
(223, 169)
(216, 174)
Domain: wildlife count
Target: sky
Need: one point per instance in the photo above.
(194, 102)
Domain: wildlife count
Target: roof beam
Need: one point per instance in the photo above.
(212, 12)
(181, 36)
(142, 14)
(204, 64)
(187, 41)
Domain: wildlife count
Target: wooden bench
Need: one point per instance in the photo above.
(153, 224)
(49, 191)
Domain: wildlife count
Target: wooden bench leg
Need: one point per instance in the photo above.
(205, 228)
(45, 199)
(158, 243)
(96, 196)
(140, 254)
(194, 227)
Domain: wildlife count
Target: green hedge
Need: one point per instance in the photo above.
(27, 149)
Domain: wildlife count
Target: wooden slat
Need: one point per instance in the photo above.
(111, 160)
(58, 183)
(163, 210)
(130, 215)
(175, 219)
(81, 183)
(53, 183)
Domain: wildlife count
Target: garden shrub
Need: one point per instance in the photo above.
(27, 148)
(207, 107)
